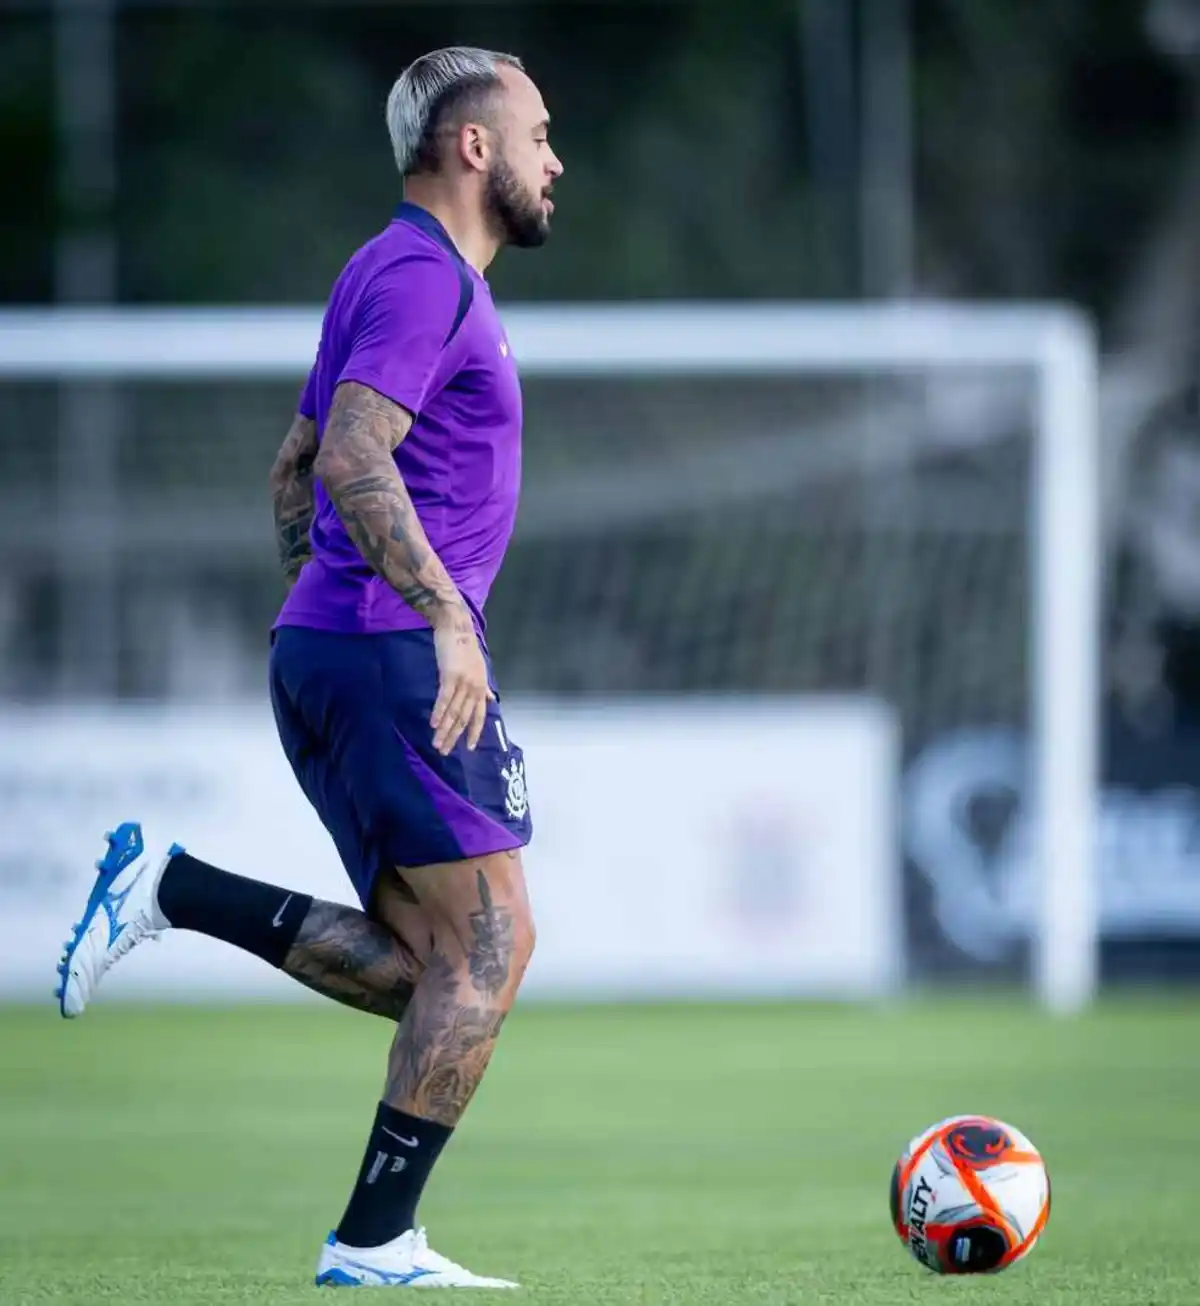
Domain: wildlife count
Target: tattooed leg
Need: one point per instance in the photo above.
(344, 955)
(483, 939)
(337, 951)
(371, 962)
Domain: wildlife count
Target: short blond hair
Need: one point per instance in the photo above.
(431, 91)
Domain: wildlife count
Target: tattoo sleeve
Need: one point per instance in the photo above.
(344, 955)
(356, 467)
(291, 485)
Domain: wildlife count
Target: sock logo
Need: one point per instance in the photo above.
(381, 1159)
(277, 919)
(407, 1142)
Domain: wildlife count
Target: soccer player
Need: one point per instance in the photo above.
(395, 493)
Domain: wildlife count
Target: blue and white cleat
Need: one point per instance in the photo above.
(405, 1262)
(121, 913)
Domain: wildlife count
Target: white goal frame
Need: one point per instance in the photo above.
(1057, 343)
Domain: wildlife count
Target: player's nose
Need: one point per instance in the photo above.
(554, 168)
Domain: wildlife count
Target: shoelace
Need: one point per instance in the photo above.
(134, 935)
(135, 932)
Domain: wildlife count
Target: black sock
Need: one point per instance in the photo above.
(400, 1154)
(253, 916)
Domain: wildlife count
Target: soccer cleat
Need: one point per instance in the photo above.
(405, 1262)
(121, 913)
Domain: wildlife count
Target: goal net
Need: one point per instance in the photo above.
(721, 501)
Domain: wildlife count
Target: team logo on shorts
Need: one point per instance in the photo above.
(516, 800)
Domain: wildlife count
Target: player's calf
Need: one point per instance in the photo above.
(483, 940)
(335, 950)
(346, 956)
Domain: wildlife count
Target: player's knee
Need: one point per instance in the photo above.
(502, 946)
(491, 950)
(481, 921)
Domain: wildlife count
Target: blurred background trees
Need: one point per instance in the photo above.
(712, 151)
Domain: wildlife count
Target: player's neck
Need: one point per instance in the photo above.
(462, 220)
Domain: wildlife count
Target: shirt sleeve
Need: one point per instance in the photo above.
(307, 404)
(400, 328)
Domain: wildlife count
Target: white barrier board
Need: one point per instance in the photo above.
(681, 848)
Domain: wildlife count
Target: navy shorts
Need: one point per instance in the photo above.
(353, 717)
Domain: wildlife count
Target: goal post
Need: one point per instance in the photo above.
(1053, 344)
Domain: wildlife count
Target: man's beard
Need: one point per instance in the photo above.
(517, 217)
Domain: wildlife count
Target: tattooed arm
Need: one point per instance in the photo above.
(356, 467)
(291, 486)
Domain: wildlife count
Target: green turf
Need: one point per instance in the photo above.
(615, 1155)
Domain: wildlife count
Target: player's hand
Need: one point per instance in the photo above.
(463, 690)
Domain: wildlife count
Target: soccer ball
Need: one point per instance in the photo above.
(970, 1196)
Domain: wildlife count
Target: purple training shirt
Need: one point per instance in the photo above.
(411, 319)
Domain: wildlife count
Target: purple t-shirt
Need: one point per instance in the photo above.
(409, 318)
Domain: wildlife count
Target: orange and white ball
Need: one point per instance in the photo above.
(970, 1195)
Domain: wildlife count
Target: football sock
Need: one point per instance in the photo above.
(256, 917)
(401, 1152)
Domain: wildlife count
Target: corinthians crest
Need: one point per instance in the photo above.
(516, 799)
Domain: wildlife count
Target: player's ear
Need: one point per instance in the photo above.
(474, 146)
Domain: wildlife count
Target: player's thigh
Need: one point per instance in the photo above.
(367, 700)
(386, 897)
(309, 754)
(327, 693)
(480, 914)
(419, 807)
(395, 905)
(326, 725)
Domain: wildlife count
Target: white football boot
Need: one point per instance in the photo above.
(405, 1262)
(121, 913)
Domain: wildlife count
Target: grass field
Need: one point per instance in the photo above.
(615, 1155)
